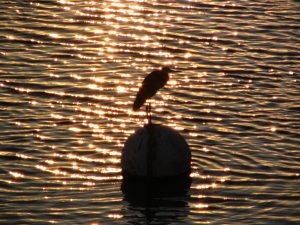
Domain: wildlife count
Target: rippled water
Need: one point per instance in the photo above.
(69, 73)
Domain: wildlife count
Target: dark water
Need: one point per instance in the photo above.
(69, 71)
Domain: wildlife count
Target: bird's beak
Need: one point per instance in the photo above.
(174, 71)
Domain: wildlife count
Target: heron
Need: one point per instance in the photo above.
(151, 84)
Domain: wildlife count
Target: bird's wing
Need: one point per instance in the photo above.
(154, 81)
(151, 78)
(150, 86)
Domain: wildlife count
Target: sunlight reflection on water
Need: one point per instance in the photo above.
(69, 74)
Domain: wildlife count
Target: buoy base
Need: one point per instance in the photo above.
(165, 179)
(156, 151)
(141, 192)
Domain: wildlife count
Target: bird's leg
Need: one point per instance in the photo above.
(148, 112)
(150, 115)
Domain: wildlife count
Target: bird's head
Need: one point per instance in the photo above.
(167, 69)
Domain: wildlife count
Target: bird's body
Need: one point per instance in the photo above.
(151, 84)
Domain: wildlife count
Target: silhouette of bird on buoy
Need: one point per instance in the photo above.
(151, 84)
(155, 152)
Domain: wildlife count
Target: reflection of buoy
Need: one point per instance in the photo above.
(156, 151)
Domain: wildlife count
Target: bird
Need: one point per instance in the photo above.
(151, 84)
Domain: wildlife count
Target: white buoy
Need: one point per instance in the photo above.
(156, 151)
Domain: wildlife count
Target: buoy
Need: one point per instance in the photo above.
(156, 152)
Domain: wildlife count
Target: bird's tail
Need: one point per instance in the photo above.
(139, 101)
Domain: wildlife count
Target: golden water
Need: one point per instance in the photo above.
(69, 71)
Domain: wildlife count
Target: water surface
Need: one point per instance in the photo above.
(69, 71)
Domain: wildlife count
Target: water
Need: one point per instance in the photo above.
(69, 73)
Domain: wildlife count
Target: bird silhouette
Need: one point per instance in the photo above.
(151, 84)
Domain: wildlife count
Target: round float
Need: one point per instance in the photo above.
(156, 152)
